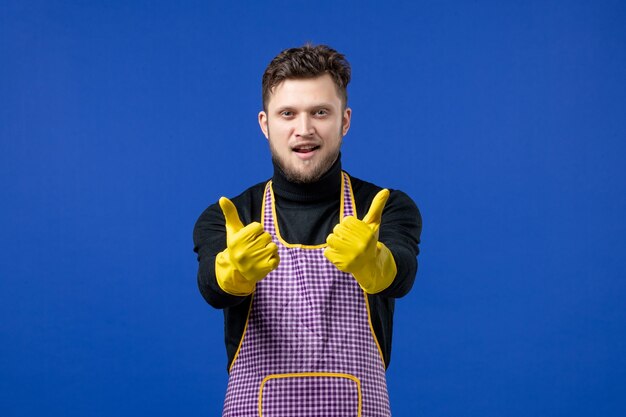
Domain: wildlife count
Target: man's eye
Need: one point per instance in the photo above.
(286, 113)
(321, 112)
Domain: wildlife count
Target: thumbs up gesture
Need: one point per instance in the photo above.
(249, 256)
(353, 247)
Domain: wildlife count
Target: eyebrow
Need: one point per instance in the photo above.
(308, 108)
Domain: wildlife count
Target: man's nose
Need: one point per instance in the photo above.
(305, 126)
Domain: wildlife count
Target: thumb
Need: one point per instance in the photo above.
(233, 224)
(373, 216)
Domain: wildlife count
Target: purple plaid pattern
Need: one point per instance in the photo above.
(308, 349)
(311, 396)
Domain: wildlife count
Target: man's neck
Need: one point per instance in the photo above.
(326, 188)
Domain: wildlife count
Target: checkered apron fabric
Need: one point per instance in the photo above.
(308, 348)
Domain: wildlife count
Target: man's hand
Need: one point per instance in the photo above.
(249, 256)
(353, 247)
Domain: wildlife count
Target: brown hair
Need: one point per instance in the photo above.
(307, 61)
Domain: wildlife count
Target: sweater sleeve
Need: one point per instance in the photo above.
(400, 231)
(209, 237)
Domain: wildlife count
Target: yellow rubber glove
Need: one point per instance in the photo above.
(249, 256)
(353, 247)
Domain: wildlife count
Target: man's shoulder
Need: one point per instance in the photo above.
(365, 191)
(361, 185)
(247, 203)
(249, 195)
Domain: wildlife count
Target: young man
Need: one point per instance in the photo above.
(307, 265)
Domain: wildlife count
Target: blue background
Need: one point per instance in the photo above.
(505, 121)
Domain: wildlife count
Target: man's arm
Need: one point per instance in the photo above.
(400, 231)
(209, 238)
(353, 247)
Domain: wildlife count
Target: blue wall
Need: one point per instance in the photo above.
(121, 121)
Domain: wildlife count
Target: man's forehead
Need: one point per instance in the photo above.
(305, 91)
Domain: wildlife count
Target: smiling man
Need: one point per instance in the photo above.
(307, 265)
(307, 119)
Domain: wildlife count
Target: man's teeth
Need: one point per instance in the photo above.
(305, 148)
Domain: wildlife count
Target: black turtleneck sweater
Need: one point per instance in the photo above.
(307, 214)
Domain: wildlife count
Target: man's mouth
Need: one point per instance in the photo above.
(305, 148)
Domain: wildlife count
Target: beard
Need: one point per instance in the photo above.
(317, 170)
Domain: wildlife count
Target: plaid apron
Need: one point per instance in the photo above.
(308, 347)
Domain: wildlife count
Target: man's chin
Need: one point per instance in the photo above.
(305, 173)
(300, 176)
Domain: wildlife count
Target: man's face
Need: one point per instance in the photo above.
(304, 124)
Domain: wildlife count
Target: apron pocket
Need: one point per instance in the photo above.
(315, 394)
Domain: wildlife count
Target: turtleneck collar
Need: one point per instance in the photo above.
(326, 188)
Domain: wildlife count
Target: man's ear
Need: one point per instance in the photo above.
(263, 124)
(345, 123)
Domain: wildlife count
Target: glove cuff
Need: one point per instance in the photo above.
(378, 275)
(229, 278)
